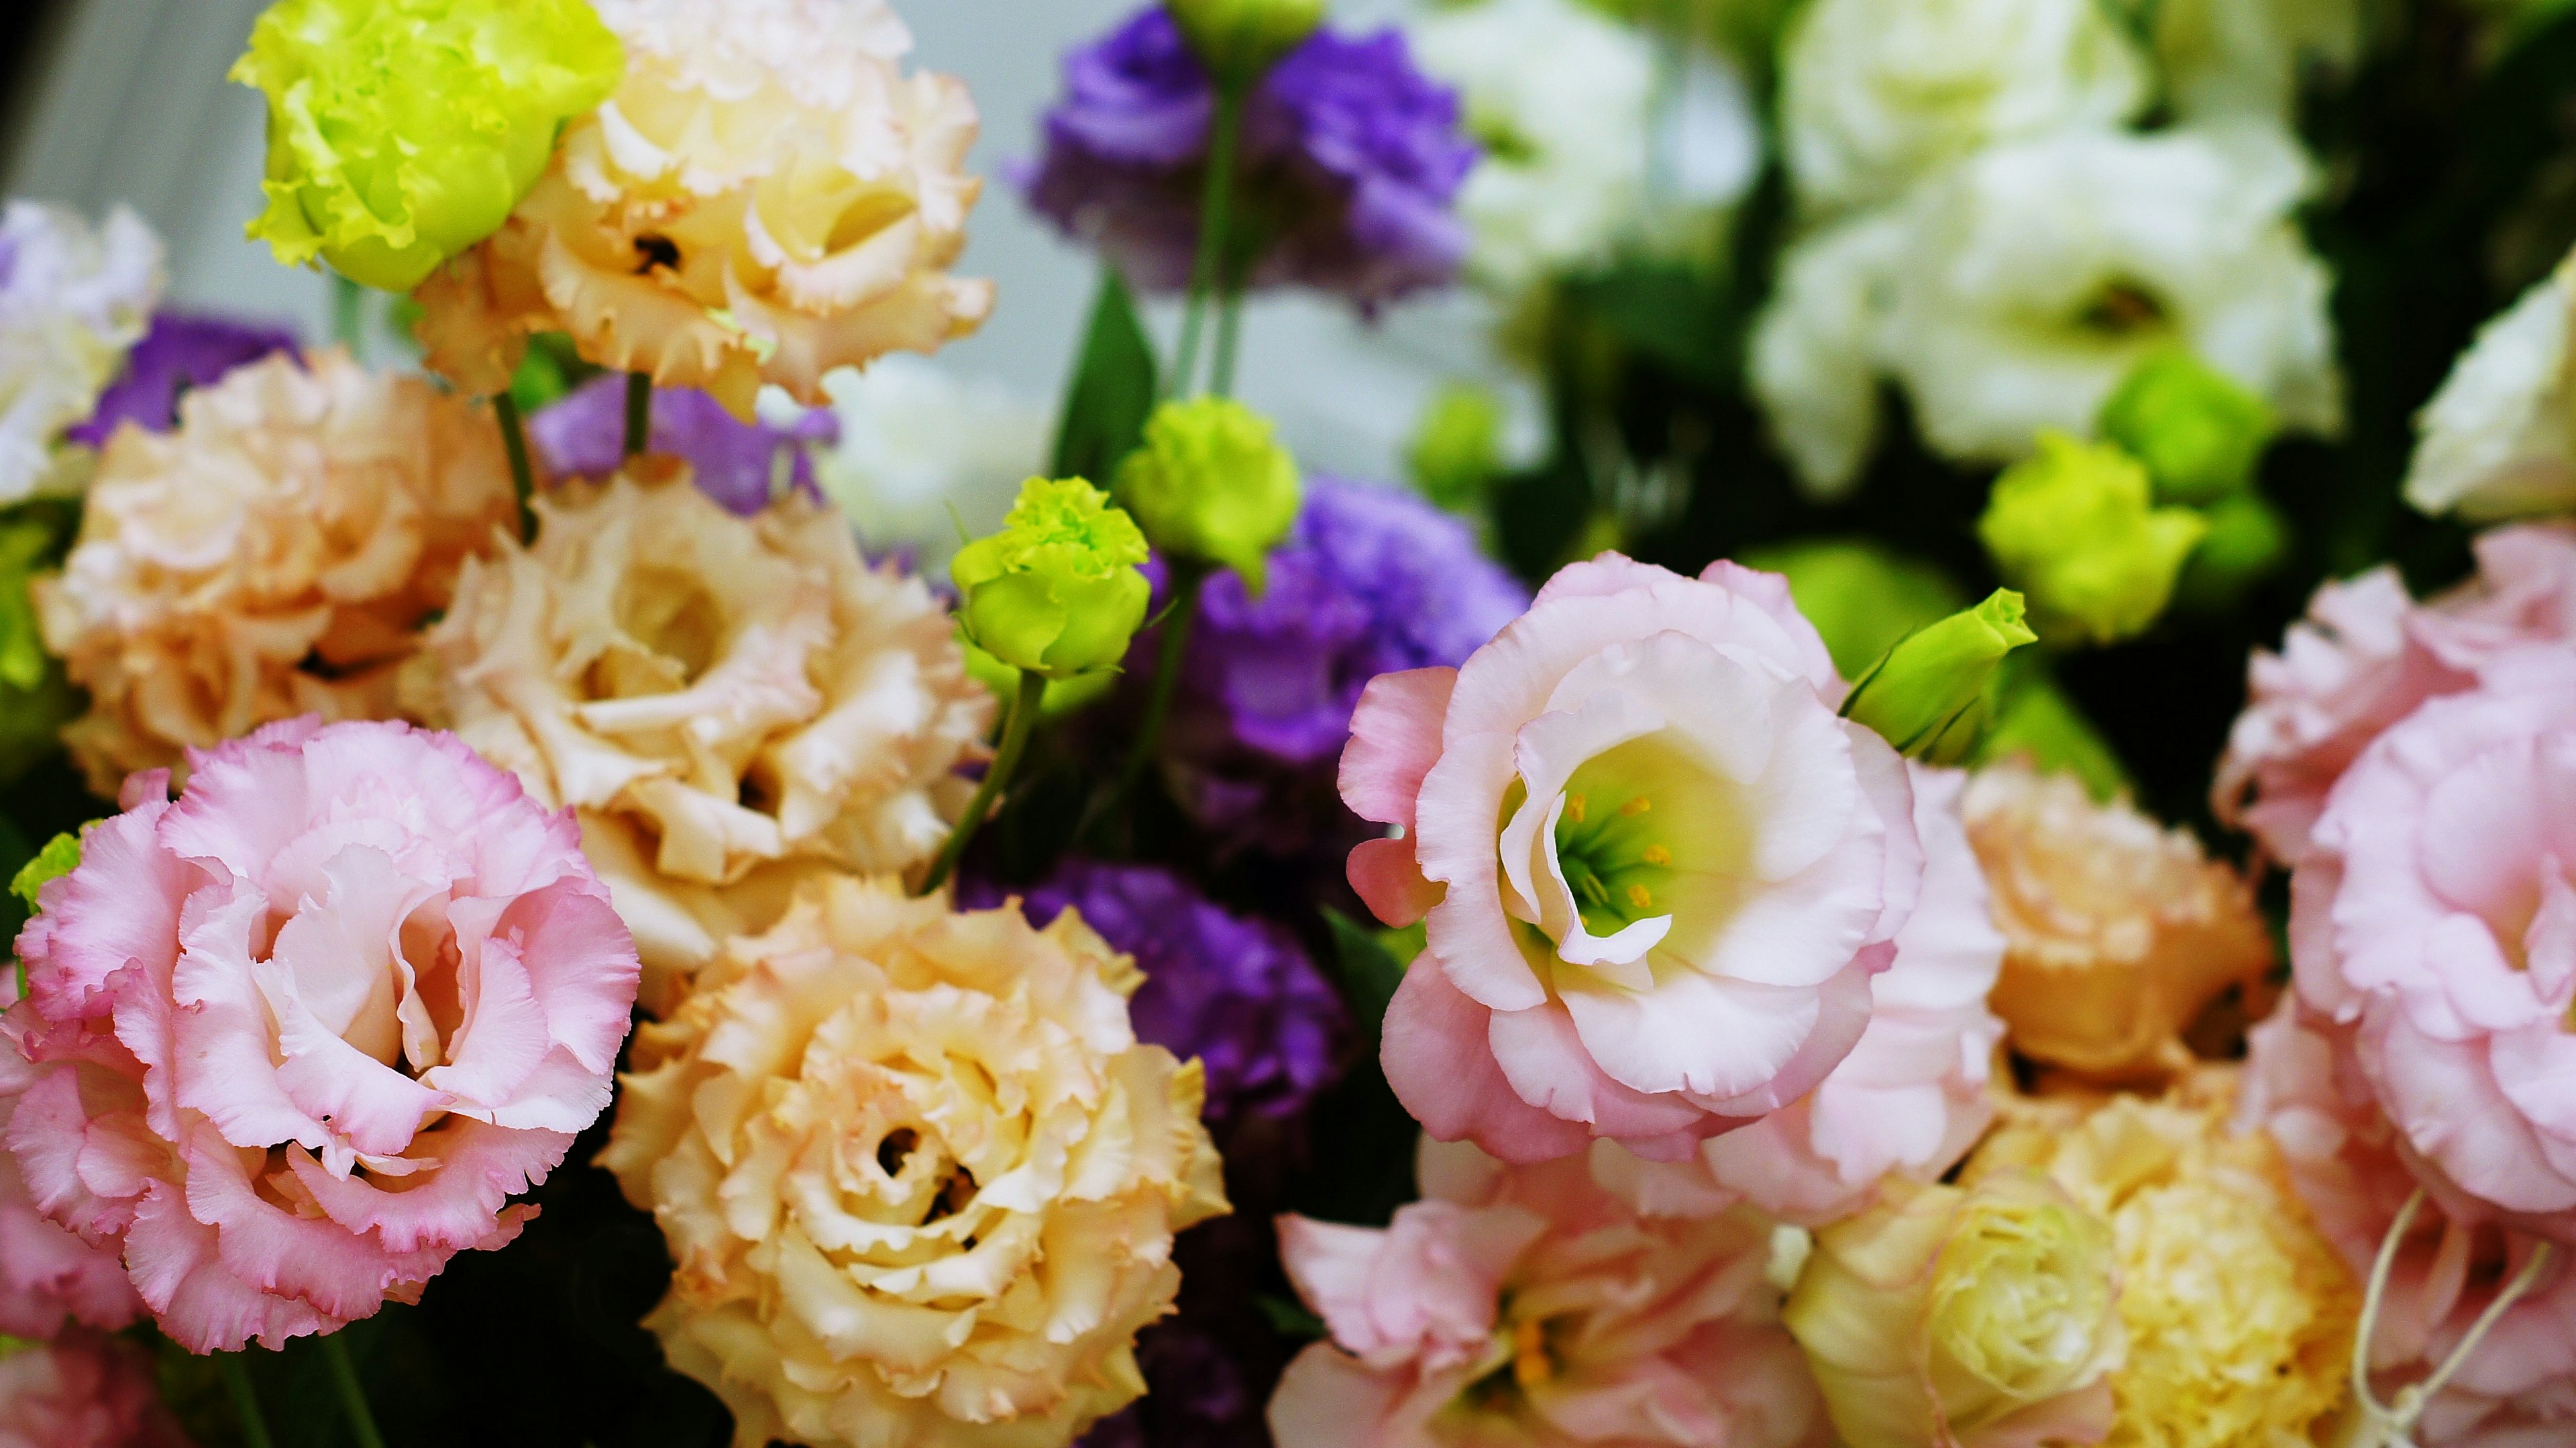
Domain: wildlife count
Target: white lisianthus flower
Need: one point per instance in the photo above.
(1814, 361)
(1877, 94)
(1558, 96)
(73, 298)
(918, 441)
(2499, 439)
(2244, 58)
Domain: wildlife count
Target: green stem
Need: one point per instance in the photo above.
(353, 1397)
(639, 413)
(1015, 742)
(1229, 342)
(1216, 206)
(349, 315)
(1186, 578)
(523, 473)
(254, 1424)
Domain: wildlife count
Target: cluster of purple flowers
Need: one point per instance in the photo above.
(736, 463)
(181, 351)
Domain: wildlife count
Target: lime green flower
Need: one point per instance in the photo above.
(1068, 698)
(2199, 433)
(1928, 696)
(2248, 541)
(1457, 451)
(401, 132)
(1861, 596)
(1057, 591)
(1240, 39)
(2075, 528)
(1212, 485)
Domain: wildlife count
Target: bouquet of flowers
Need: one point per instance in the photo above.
(1954, 826)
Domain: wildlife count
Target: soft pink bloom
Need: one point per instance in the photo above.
(301, 1034)
(85, 1391)
(1910, 1098)
(1523, 1307)
(2518, 1390)
(2365, 657)
(1659, 869)
(47, 1275)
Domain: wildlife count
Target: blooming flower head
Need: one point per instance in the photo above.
(919, 1178)
(1522, 1307)
(1984, 1316)
(275, 556)
(2497, 440)
(86, 1390)
(1212, 485)
(327, 1012)
(1056, 591)
(401, 133)
(741, 465)
(767, 196)
(726, 703)
(2197, 431)
(72, 299)
(2118, 932)
(48, 1277)
(1350, 161)
(182, 351)
(1634, 933)
(2075, 526)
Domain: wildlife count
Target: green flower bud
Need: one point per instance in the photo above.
(1457, 452)
(401, 132)
(1861, 596)
(2199, 432)
(1240, 39)
(1211, 485)
(1057, 591)
(1928, 694)
(2248, 541)
(2074, 528)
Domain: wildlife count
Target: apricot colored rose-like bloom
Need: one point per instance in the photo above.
(2239, 1313)
(1523, 1307)
(766, 197)
(1659, 870)
(304, 1032)
(2118, 932)
(1911, 1098)
(728, 704)
(275, 556)
(918, 1176)
(48, 1277)
(85, 1391)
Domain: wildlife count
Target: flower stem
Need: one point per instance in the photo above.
(1015, 742)
(1216, 205)
(639, 412)
(523, 473)
(254, 1424)
(349, 315)
(1229, 341)
(1186, 578)
(353, 1397)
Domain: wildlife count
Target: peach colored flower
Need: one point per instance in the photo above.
(729, 704)
(1911, 1098)
(1659, 870)
(86, 1390)
(766, 197)
(273, 557)
(920, 1179)
(303, 1032)
(1523, 1307)
(48, 1277)
(2118, 932)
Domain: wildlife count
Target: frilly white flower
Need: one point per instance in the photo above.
(918, 441)
(1813, 362)
(72, 300)
(1558, 96)
(1878, 94)
(2245, 57)
(919, 1178)
(729, 704)
(2499, 439)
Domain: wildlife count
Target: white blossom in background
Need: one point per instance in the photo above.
(73, 299)
(2244, 58)
(923, 449)
(2499, 439)
(1878, 94)
(1814, 362)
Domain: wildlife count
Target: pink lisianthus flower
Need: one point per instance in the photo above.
(1523, 1307)
(48, 1277)
(1658, 869)
(85, 1390)
(2365, 657)
(303, 1032)
(1910, 1099)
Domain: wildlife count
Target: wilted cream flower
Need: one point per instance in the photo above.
(2499, 439)
(919, 1178)
(2239, 1313)
(2119, 932)
(766, 197)
(275, 556)
(728, 703)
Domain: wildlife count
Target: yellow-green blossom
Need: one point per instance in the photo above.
(1927, 697)
(1057, 591)
(401, 132)
(1457, 449)
(1211, 484)
(2199, 433)
(1242, 38)
(2075, 528)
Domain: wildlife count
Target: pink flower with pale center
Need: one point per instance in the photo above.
(48, 1277)
(300, 1034)
(1659, 870)
(1523, 1307)
(86, 1390)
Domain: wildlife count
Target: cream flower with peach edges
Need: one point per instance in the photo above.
(767, 196)
(729, 704)
(919, 1178)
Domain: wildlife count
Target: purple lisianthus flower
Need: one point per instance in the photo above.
(1236, 993)
(1350, 160)
(181, 351)
(735, 462)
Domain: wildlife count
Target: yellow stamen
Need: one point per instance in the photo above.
(1658, 855)
(1636, 807)
(1574, 808)
(1638, 897)
(1530, 1366)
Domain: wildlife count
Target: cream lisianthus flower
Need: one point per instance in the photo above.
(919, 1178)
(2245, 58)
(922, 448)
(766, 197)
(2499, 439)
(275, 556)
(728, 703)
(1814, 363)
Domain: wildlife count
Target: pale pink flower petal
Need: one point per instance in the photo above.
(85, 1390)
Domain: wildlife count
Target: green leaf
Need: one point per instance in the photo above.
(58, 858)
(1369, 971)
(1289, 1319)
(1112, 392)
